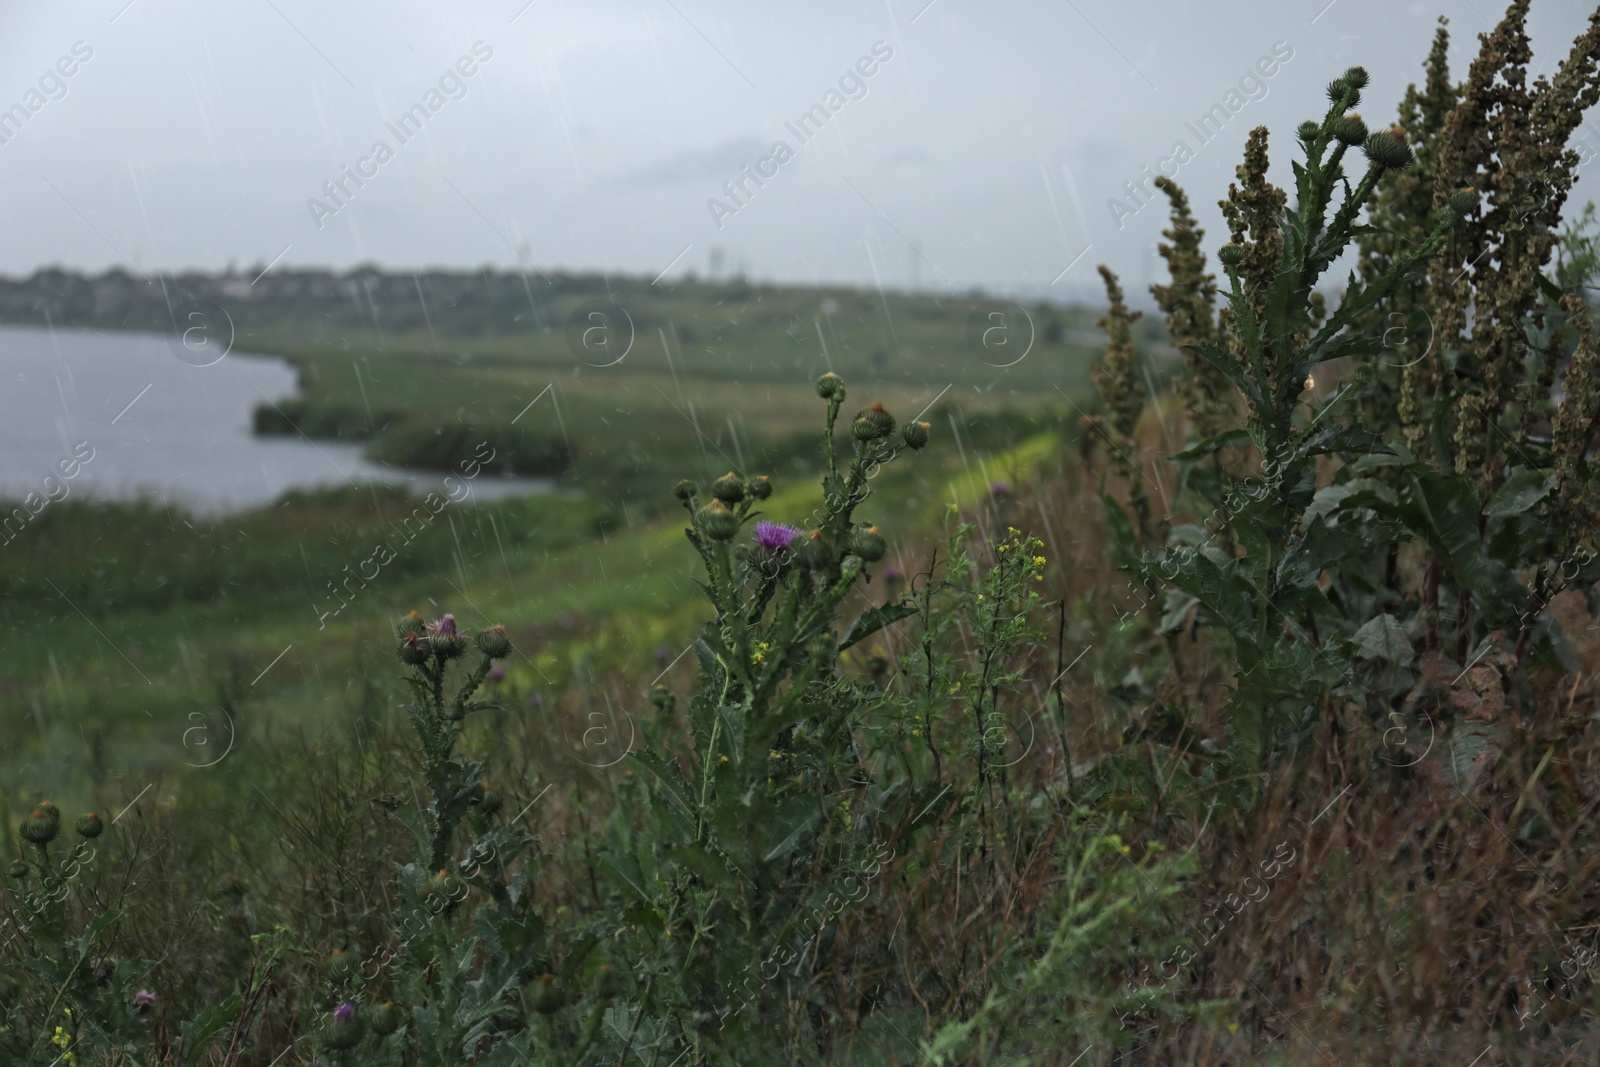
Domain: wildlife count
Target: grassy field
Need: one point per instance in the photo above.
(183, 632)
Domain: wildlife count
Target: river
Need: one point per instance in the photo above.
(164, 428)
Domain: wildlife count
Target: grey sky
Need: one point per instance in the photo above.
(593, 137)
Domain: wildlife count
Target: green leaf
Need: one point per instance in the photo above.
(1176, 610)
(872, 620)
(705, 864)
(1202, 449)
(1124, 546)
(1521, 491)
(1383, 638)
(1229, 368)
(1347, 439)
(679, 806)
(788, 827)
(204, 1026)
(626, 867)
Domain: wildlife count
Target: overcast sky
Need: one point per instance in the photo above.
(591, 134)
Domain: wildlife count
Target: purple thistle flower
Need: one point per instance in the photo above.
(535, 699)
(891, 573)
(445, 626)
(661, 655)
(999, 489)
(774, 536)
(143, 998)
(496, 674)
(344, 1012)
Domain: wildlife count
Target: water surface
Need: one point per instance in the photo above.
(160, 427)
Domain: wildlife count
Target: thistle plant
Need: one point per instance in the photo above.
(77, 1001)
(768, 789)
(457, 982)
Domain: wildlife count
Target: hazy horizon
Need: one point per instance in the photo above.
(946, 149)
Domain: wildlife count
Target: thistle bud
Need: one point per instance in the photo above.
(345, 1030)
(862, 429)
(815, 551)
(341, 965)
(444, 639)
(491, 803)
(607, 981)
(1308, 131)
(444, 884)
(869, 544)
(1230, 254)
(385, 1019)
(717, 522)
(916, 435)
(1350, 129)
(1356, 77)
(1463, 201)
(494, 643)
(414, 649)
(547, 996)
(411, 624)
(760, 488)
(41, 827)
(448, 646)
(1336, 90)
(880, 419)
(1389, 150)
(830, 387)
(18, 869)
(662, 699)
(90, 826)
(50, 810)
(729, 488)
(684, 490)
